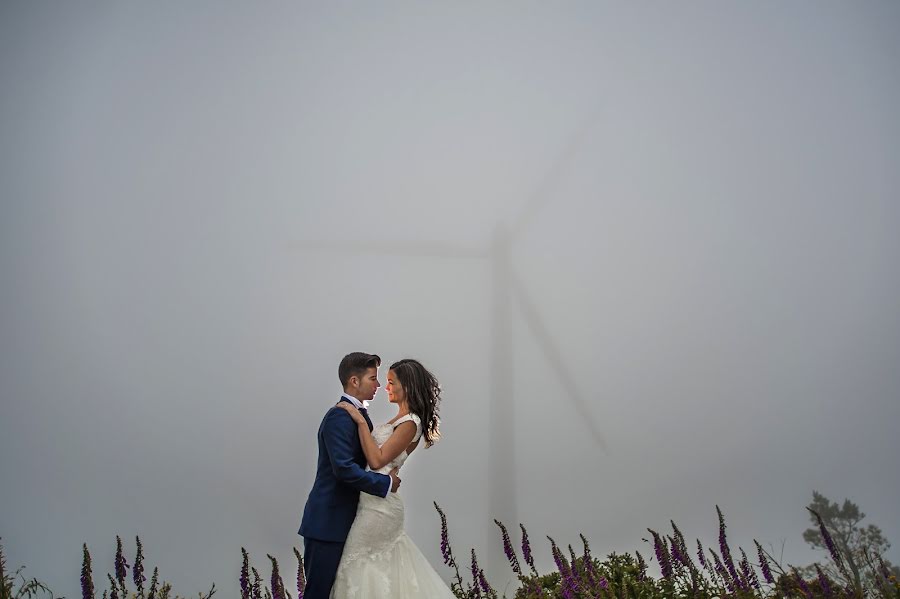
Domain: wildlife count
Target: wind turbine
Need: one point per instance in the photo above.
(506, 286)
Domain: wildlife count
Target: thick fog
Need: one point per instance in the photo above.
(666, 235)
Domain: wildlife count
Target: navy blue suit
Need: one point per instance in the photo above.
(331, 507)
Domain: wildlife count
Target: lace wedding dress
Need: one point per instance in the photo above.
(379, 559)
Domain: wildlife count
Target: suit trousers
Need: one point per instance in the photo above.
(320, 562)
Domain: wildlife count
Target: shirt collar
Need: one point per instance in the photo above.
(360, 405)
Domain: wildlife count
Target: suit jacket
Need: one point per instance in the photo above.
(340, 476)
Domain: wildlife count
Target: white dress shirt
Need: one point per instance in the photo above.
(360, 405)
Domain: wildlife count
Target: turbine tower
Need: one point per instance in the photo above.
(505, 288)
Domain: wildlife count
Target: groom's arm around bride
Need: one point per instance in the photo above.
(341, 437)
(340, 477)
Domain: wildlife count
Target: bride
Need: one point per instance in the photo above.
(379, 559)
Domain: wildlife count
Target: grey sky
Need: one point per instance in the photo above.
(717, 263)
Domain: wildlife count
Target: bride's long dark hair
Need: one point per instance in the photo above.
(423, 396)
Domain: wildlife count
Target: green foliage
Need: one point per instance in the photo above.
(623, 577)
(27, 588)
(539, 586)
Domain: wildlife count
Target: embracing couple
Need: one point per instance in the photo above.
(352, 528)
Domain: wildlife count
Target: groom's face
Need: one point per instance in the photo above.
(368, 385)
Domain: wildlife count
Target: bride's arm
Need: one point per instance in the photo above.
(378, 457)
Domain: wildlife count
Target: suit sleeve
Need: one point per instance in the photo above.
(340, 434)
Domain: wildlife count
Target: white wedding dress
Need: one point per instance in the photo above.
(379, 559)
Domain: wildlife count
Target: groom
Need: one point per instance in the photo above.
(340, 476)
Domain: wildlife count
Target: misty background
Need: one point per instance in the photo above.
(715, 257)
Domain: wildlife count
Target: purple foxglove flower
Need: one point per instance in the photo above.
(256, 589)
(764, 563)
(662, 554)
(700, 555)
(587, 548)
(573, 560)
(481, 583)
(121, 564)
(445, 538)
(747, 572)
(642, 566)
(87, 581)
(277, 583)
(678, 558)
(829, 542)
(823, 582)
(113, 592)
(801, 584)
(726, 552)
(301, 575)
(151, 594)
(681, 544)
(245, 574)
(508, 548)
(526, 549)
(588, 562)
(138, 569)
(722, 572)
(568, 580)
(558, 558)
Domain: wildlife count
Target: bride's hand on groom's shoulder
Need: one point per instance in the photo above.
(354, 413)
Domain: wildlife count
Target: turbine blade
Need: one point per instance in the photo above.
(546, 186)
(530, 313)
(429, 249)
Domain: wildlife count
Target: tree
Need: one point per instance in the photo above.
(861, 548)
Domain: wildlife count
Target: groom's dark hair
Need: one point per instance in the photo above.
(356, 364)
